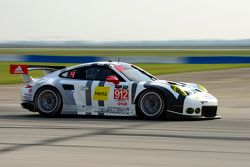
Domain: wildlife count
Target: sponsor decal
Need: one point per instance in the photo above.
(118, 86)
(18, 69)
(121, 86)
(122, 103)
(114, 110)
(101, 93)
(121, 94)
(125, 87)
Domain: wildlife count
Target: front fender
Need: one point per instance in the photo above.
(173, 103)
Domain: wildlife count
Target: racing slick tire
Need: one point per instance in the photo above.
(151, 105)
(48, 102)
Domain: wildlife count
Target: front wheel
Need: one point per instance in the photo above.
(151, 105)
(48, 102)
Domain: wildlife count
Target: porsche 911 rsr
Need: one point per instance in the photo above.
(111, 89)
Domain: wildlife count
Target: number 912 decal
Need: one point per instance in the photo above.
(121, 94)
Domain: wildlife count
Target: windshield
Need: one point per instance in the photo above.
(134, 74)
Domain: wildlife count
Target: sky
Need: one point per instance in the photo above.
(123, 20)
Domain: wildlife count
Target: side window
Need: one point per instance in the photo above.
(98, 73)
(78, 73)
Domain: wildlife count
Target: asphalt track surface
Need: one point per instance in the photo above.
(26, 139)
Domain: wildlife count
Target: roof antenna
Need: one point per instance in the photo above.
(118, 60)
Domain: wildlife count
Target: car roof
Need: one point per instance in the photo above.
(101, 63)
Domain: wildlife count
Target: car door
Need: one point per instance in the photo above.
(96, 96)
(70, 83)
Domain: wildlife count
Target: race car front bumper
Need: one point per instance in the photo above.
(174, 115)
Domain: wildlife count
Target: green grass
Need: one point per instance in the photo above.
(155, 69)
(82, 52)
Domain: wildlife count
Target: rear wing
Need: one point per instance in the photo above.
(23, 70)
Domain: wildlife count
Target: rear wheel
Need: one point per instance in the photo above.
(151, 105)
(48, 102)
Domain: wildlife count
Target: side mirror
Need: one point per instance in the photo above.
(113, 79)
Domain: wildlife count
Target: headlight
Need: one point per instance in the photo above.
(202, 88)
(179, 90)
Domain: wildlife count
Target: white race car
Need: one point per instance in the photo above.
(112, 89)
